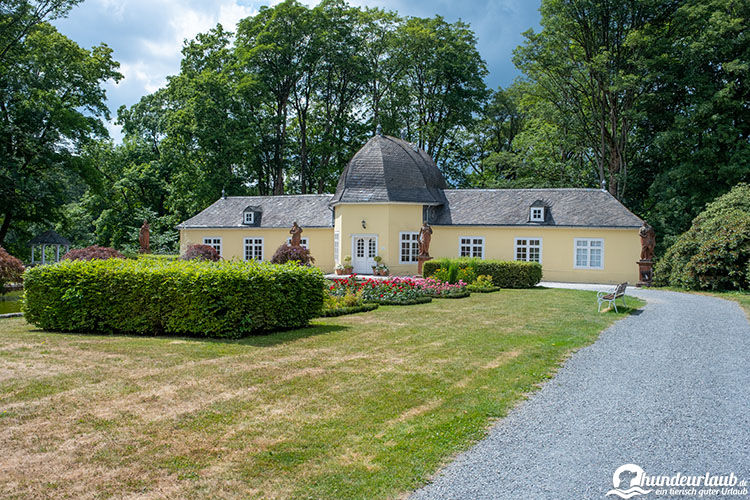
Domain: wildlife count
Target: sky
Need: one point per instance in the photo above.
(146, 36)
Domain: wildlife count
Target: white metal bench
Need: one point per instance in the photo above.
(611, 297)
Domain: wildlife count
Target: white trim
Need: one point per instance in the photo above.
(254, 241)
(528, 247)
(336, 246)
(212, 242)
(401, 248)
(252, 217)
(304, 242)
(471, 246)
(588, 253)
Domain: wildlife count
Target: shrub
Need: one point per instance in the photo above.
(11, 269)
(287, 253)
(714, 253)
(93, 253)
(201, 252)
(504, 274)
(212, 299)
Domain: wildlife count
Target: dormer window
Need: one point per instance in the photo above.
(537, 214)
(249, 218)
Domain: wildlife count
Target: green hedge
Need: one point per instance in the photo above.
(154, 296)
(505, 274)
(482, 289)
(408, 302)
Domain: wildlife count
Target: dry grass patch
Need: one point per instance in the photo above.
(361, 406)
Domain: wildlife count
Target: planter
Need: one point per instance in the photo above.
(339, 271)
(375, 271)
(348, 270)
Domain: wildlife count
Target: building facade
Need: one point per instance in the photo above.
(391, 186)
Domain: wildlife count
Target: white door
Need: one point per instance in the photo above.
(364, 250)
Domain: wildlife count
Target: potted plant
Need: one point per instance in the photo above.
(348, 268)
(339, 269)
(383, 270)
(376, 268)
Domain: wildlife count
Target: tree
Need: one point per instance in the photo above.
(585, 63)
(51, 102)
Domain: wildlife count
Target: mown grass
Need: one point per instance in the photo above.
(362, 406)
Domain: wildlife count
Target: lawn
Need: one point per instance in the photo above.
(361, 406)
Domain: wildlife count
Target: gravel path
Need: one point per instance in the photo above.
(667, 389)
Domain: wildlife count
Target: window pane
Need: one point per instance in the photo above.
(372, 248)
(360, 245)
(582, 243)
(581, 257)
(596, 257)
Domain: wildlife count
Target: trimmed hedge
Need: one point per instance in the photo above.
(407, 302)
(147, 297)
(482, 289)
(341, 311)
(457, 295)
(505, 274)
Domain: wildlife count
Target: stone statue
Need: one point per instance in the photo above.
(144, 237)
(425, 235)
(296, 233)
(648, 241)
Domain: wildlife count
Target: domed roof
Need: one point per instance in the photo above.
(387, 169)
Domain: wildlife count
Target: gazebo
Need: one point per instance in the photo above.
(48, 239)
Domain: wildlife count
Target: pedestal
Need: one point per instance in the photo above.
(420, 261)
(645, 273)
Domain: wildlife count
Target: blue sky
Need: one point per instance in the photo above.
(147, 35)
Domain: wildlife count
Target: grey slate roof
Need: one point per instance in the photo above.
(510, 207)
(308, 210)
(49, 238)
(387, 169)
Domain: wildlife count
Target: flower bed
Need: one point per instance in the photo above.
(397, 291)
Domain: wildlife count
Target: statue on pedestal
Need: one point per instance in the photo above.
(648, 241)
(425, 235)
(296, 233)
(144, 237)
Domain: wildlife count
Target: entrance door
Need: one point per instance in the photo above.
(364, 250)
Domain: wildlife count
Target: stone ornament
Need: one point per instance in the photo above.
(425, 235)
(296, 233)
(144, 237)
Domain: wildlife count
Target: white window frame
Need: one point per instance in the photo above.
(254, 242)
(251, 218)
(588, 253)
(528, 246)
(472, 246)
(533, 214)
(336, 246)
(303, 242)
(412, 238)
(213, 241)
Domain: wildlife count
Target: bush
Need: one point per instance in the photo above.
(504, 274)
(287, 253)
(201, 252)
(714, 253)
(11, 269)
(93, 253)
(212, 299)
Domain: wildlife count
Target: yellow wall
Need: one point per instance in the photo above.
(383, 220)
(320, 242)
(621, 246)
(622, 249)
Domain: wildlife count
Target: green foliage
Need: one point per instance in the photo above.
(349, 303)
(505, 274)
(11, 269)
(147, 297)
(714, 253)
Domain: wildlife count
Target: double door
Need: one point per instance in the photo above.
(364, 250)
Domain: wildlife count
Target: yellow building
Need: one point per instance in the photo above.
(390, 187)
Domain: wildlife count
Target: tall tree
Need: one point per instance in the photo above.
(585, 64)
(51, 102)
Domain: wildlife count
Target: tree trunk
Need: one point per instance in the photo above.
(4, 227)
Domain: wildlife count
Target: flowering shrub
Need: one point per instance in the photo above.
(93, 253)
(396, 290)
(11, 269)
(201, 252)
